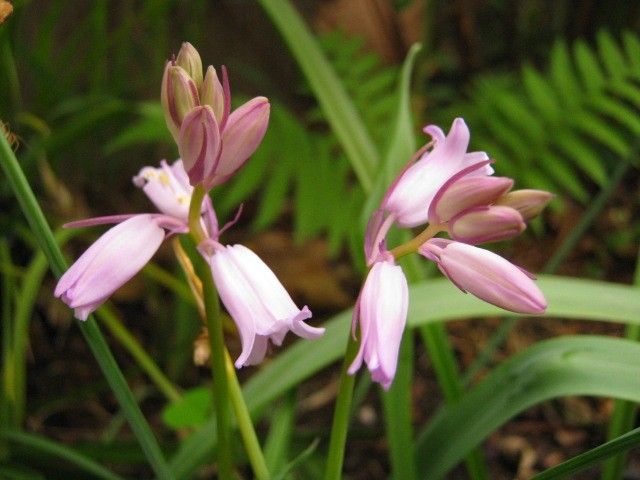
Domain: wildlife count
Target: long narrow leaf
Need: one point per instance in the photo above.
(431, 301)
(89, 329)
(581, 365)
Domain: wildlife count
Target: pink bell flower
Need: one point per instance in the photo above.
(528, 202)
(109, 263)
(409, 197)
(381, 313)
(256, 300)
(124, 249)
(486, 275)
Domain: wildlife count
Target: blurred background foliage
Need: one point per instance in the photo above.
(551, 89)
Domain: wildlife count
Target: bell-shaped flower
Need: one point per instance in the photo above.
(409, 197)
(125, 248)
(486, 275)
(256, 300)
(199, 144)
(486, 224)
(381, 314)
(529, 203)
(109, 263)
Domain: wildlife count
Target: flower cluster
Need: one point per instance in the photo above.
(449, 190)
(213, 144)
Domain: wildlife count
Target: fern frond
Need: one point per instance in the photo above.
(567, 125)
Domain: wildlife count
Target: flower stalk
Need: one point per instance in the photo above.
(341, 414)
(216, 339)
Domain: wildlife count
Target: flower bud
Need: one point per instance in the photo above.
(528, 202)
(486, 275)
(212, 93)
(179, 95)
(199, 144)
(189, 59)
(486, 224)
(241, 137)
(465, 193)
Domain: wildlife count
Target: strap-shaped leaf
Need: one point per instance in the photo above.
(431, 301)
(581, 365)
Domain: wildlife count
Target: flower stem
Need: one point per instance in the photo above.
(341, 415)
(412, 245)
(220, 385)
(249, 437)
(195, 227)
(216, 338)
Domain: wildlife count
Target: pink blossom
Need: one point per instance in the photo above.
(109, 263)
(486, 275)
(409, 197)
(124, 249)
(257, 301)
(381, 313)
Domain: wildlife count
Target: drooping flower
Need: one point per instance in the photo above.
(486, 275)
(381, 314)
(257, 301)
(124, 249)
(214, 142)
(447, 190)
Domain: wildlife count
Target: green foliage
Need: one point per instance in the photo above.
(191, 410)
(562, 129)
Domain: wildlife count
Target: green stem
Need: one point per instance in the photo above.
(341, 415)
(7, 395)
(216, 338)
(624, 412)
(249, 437)
(131, 345)
(89, 329)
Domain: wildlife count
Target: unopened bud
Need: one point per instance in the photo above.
(199, 144)
(212, 93)
(242, 135)
(189, 59)
(466, 193)
(179, 95)
(529, 203)
(486, 224)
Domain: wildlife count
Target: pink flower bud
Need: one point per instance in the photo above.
(486, 224)
(179, 95)
(242, 135)
(459, 194)
(381, 312)
(486, 275)
(528, 202)
(212, 93)
(189, 59)
(199, 144)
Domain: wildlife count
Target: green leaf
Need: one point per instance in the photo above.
(595, 455)
(582, 365)
(46, 447)
(588, 66)
(632, 49)
(563, 74)
(89, 329)
(191, 411)
(611, 55)
(430, 301)
(330, 93)
(541, 94)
